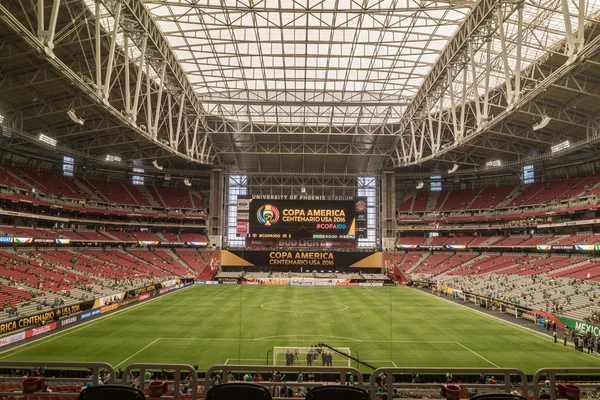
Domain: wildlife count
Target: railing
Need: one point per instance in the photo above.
(88, 373)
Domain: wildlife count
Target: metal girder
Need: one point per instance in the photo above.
(450, 111)
(305, 148)
(100, 89)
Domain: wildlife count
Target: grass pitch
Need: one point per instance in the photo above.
(387, 326)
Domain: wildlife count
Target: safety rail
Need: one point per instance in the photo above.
(177, 370)
(551, 374)
(552, 380)
(94, 367)
(341, 372)
(390, 372)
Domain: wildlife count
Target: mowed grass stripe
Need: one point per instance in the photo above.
(206, 325)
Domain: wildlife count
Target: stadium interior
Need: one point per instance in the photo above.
(356, 171)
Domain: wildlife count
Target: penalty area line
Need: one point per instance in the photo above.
(477, 354)
(138, 352)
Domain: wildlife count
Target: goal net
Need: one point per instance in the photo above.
(315, 356)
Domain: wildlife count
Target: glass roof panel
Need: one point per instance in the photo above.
(271, 61)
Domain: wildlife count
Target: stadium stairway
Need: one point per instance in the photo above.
(146, 193)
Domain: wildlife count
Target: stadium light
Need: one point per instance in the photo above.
(420, 185)
(113, 158)
(495, 163)
(560, 146)
(157, 165)
(47, 140)
(545, 121)
(453, 169)
(1, 118)
(74, 118)
(302, 189)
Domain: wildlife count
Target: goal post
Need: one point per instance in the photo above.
(315, 356)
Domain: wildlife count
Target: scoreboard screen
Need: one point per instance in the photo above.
(301, 219)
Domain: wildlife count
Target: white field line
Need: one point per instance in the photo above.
(477, 354)
(395, 366)
(368, 289)
(530, 331)
(226, 361)
(266, 339)
(76, 328)
(236, 288)
(137, 352)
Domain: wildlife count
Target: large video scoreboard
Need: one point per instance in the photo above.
(308, 217)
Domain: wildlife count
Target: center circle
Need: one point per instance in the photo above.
(310, 307)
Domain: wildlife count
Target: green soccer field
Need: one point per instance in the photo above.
(208, 325)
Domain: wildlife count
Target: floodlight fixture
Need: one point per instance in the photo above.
(75, 118)
(453, 169)
(560, 146)
(187, 182)
(47, 140)
(113, 158)
(157, 165)
(495, 163)
(545, 121)
(420, 185)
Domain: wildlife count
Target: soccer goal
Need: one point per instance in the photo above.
(315, 356)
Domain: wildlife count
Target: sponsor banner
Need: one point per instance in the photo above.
(106, 300)
(407, 246)
(250, 283)
(143, 297)
(38, 331)
(163, 291)
(63, 241)
(17, 337)
(43, 240)
(341, 284)
(543, 247)
(127, 302)
(579, 326)
(23, 240)
(227, 279)
(197, 244)
(570, 223)
(276, 283)
(243, 227)
(353, 284)
(170, 283)
(185, 284)
(585, 247)
(172, 243)
(369, 284)
(90, 314)
(252, 243)
(228, 283)
(318, 283)
(147, 242)
(147, 289)
(200, 282)
(562, 247)
(106, 309)
(75, 308)
(299, 258)
(68, 321)
(6, 239)
(25, 322)
(301, 284)
(457, 246)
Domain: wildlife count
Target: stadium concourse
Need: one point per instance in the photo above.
(409, 190)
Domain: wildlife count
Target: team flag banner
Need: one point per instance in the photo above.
(585, 247)
(543, 247)
(23, 240)
(63, 241)
(407, 246)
